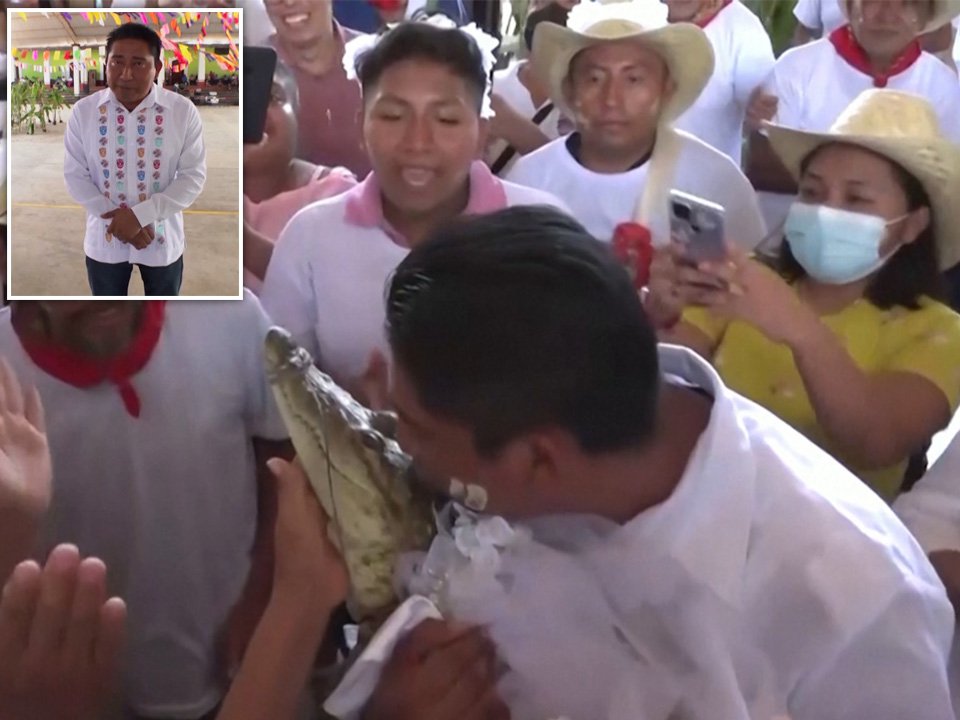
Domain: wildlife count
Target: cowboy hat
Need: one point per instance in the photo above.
(943, 12)
(902, 128)
(683, 46)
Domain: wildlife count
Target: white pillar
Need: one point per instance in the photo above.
(46, 73)
(76, 70)
(84, 73)
(202, 72)
(103, 63)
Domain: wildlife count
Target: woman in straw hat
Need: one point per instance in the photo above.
(849, 342)
(877, 46)
(624, 74)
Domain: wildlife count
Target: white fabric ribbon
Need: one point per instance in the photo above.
(486, 43)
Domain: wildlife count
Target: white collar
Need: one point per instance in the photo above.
(154, 97)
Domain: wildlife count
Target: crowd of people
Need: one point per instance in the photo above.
(721, 461)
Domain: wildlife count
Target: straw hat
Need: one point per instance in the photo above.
(943, 12)
(683, 46)
(903, 128)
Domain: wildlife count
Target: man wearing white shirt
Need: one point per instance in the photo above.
(624, 74)
(525, 367)
(931, 510)
(743, 59)
(135, 159)
(814, 83)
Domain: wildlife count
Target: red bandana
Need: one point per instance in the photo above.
(850, 50)
(83, 372)
(703, 22)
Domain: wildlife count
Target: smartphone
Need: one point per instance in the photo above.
(698, 225)
(258, 66)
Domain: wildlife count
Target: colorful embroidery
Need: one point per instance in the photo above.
(118, 163)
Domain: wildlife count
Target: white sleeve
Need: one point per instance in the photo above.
(895, 667)
(287, 293)
(263, 416)
(753, 63)
(522, 172)
(807, 12)
(188, 182)
(788, 90)
(931, 510)
(76, 170)
(743, 221)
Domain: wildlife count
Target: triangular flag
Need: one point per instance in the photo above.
(116, 18)
(56, 55)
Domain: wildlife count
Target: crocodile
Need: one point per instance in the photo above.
(361, 476)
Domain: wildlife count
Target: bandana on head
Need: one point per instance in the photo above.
(486, 43)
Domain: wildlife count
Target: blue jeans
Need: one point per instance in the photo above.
(114, 278)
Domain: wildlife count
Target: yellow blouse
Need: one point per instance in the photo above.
(925, 341)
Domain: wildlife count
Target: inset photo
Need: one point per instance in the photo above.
(124, 154)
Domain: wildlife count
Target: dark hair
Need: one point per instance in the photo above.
(520, 320)
(553, 12)
(914, 270)
(422, 41)
(136, 31)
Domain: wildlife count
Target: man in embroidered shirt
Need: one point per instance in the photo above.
(135, 159)
(814, 83)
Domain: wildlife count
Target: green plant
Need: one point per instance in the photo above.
(777, 17)
(27, 99)
(33, 105)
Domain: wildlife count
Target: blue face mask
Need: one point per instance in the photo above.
(836, 246)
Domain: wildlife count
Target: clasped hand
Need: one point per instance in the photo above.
(126, 228)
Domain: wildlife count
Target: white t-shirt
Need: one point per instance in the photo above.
(326, 280)
(603, 201)
(744, 59)
(167, 500)
(506, 84)
(815, 85)
(931, 510)
(152, 160)
(820, 15)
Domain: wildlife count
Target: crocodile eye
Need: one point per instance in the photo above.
(372, 440)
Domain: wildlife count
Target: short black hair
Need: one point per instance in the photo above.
(136, 31)
(914, 270)
(422, 41)
(520, 320)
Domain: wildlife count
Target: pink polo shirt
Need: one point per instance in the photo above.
(329, 271)
(270, 216)
(330, 114)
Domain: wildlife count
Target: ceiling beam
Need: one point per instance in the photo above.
(71, 35)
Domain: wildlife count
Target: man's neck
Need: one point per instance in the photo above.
(317, 57)
(606, 161)
(415, 228)
(638, 480)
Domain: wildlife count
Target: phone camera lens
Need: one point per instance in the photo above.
(681, 211)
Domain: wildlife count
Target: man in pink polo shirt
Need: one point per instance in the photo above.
(311, 42)
(424, 88)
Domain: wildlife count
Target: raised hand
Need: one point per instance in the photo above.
(25, 468)
(60, 639)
